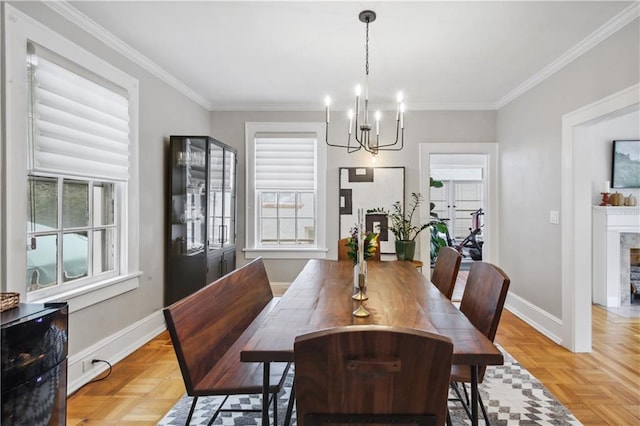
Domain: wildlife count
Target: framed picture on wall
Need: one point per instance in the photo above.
(626, 164)
(370, 188)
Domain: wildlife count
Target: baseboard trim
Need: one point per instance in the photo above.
(113, 348)
(547, 324)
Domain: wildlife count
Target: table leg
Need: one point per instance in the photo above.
(292, 399)
(265, 393)
(474, 395)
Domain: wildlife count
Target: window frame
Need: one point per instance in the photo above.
(90, 228)
(19, 29)
(252, 248)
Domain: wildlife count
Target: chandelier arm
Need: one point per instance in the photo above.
(348, 145)
(396, 148)
(395, 141)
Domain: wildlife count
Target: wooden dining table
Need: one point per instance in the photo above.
(398, 295)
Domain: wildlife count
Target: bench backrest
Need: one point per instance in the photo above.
(204, 325)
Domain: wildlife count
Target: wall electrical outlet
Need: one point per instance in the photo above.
(554, 217)
(88, 365)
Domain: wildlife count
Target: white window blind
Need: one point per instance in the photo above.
(285, 163)
(79, 122)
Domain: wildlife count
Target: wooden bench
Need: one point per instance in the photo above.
(209, 329)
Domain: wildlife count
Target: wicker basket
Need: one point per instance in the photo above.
(9, 300)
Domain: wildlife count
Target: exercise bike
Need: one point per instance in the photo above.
(471, 245)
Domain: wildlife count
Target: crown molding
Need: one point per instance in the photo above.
(87, 24)
(616, 23)
(305, 107)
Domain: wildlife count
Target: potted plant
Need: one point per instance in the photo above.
(401, 224)
(438, 226)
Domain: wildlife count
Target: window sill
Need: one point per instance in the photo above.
(286, 253)
(94, 293)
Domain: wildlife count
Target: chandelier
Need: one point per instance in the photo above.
(364, 126)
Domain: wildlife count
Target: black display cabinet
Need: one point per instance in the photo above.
(34, 347)
(201, 217)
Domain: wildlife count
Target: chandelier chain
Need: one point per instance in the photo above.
(366, 48)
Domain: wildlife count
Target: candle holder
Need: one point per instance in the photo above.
(360, 293)
(361, 312)
(605, 199)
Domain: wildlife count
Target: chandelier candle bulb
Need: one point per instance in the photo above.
(327, 102)
(350, 120)
(377, 123)
(402, 116)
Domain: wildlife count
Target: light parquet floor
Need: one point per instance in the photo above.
(600, 388)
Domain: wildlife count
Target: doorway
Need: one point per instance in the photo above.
(479, 159)
(460, 202)
(576, 200)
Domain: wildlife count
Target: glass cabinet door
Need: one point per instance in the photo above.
(188, 196)
(229, 214)
(215, 210)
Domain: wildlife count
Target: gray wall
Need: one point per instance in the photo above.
(163, 111)
(529, 134)
(421, 127)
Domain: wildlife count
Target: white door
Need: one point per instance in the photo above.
(455, 201)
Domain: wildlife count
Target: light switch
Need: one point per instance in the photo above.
(554, 217)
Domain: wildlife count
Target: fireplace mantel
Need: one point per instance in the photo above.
(608, 223)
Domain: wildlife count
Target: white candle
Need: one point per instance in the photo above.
(327, 102)
(607, 186)
(377, 122)
(402, 116)
(360, 236)
(350, 120)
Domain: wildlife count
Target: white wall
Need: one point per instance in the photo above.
(529, 134)
(421, 127)
(163, 111)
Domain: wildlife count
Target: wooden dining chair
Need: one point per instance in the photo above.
(446, 270)
(482, 303)
(343, 251)
(372, 374)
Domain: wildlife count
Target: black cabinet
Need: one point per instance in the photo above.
(34, 364)
(201, 214)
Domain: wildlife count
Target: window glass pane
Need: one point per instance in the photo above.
(287, 230)
(103, 204)
(42, 204)
(75, 253)
(287, 204)
(268, 231)
(103, 250)
(75, 204)
(306, 231)
(268, 206)
(42, 263)
(305, 205)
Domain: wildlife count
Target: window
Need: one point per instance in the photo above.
(79, 243)
(285, 195)
(71, 170)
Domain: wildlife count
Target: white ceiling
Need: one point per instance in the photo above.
(288, 55)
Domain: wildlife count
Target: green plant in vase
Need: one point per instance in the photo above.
(438, 226)
(401, 224)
